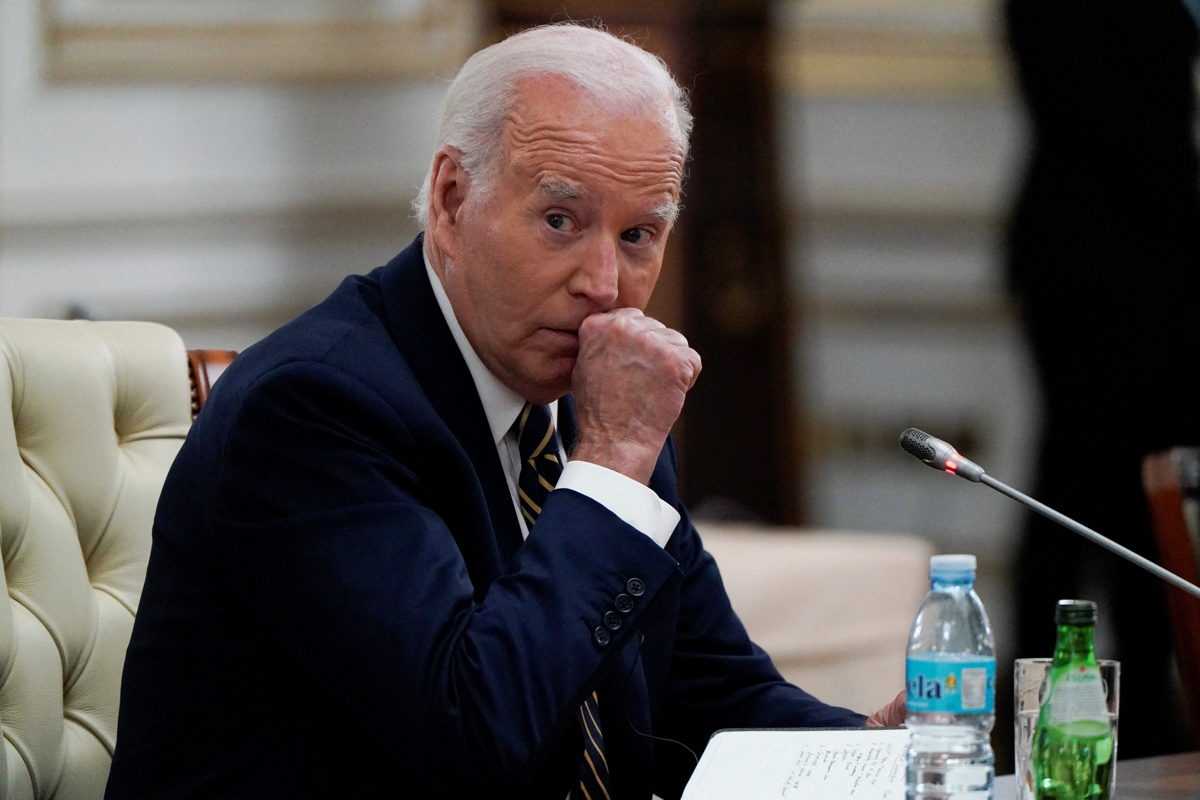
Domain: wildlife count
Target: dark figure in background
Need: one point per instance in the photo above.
(1104, 258)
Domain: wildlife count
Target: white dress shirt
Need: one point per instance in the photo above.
(633, 502)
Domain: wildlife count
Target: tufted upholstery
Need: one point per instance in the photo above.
(833, 608)
(99, 410)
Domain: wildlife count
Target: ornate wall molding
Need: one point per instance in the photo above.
(950, 48)
(267, 40)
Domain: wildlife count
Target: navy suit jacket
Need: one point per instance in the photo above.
(339, 602)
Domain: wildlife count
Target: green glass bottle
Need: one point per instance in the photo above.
(1073, 749)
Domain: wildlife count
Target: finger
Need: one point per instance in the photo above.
(617, 319)
(667, 335)
(696, 365)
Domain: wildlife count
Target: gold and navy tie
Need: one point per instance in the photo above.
(540, 470)
(540, 464)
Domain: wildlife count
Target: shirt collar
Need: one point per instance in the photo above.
(501, 404)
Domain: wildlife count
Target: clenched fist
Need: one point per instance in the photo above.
(630, 380)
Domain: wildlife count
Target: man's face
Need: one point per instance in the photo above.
(574, 223)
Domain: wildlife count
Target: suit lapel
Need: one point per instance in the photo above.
(421, 333)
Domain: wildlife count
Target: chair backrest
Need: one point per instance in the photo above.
(832, 608)
(98, 413)
(204, 367)
(1171, 480)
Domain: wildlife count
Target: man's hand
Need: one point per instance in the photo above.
(630, 380)
(891, 715)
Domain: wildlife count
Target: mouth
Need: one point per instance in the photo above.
(564, 334)
(559, 343)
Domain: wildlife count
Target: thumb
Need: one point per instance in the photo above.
(891, 715)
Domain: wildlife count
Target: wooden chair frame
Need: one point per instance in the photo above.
(204, 367)
(1171, 480)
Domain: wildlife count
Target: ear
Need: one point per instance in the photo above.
(447, 191)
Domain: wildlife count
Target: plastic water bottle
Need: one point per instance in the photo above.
(951, 675)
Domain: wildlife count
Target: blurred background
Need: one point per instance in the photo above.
(220, 165)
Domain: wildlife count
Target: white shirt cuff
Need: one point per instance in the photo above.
(636, 504)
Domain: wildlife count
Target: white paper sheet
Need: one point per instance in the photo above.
(801, 765)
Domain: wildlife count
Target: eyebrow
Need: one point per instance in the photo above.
(560, 189)
(667, 212)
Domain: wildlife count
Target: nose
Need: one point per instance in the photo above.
(597, 276)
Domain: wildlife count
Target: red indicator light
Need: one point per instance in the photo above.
(951, 465)
(952, 472)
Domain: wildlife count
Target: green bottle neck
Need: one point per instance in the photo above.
(1075, 645)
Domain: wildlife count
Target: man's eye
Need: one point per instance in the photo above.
(556, 221)
(636, 235)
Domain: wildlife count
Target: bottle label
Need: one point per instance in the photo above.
(954, 685)
(1076, 693)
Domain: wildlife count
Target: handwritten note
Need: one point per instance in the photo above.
(801, 765)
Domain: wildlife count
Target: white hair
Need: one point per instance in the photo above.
(615, 72)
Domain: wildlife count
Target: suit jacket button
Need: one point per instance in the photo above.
(612, 620)
(623, 603)
(635, 587)
(602, 637)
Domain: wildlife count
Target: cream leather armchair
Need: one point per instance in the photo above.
(98, 412)
(833, 608)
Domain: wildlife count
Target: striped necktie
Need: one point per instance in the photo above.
(540, 470)
(540, 464)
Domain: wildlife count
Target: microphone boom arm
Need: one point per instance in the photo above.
(942, 456)
(1088, 533)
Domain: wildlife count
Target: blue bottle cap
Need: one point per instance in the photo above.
(952, 567)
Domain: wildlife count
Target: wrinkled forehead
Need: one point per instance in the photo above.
(548, 92)
(566, 139)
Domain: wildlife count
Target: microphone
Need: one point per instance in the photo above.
(939, 455)
(942, 456)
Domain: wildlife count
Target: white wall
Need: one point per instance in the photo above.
(903, 314)
(219, 208)
(899, 160)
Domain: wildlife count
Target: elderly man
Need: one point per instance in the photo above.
(361, 584)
